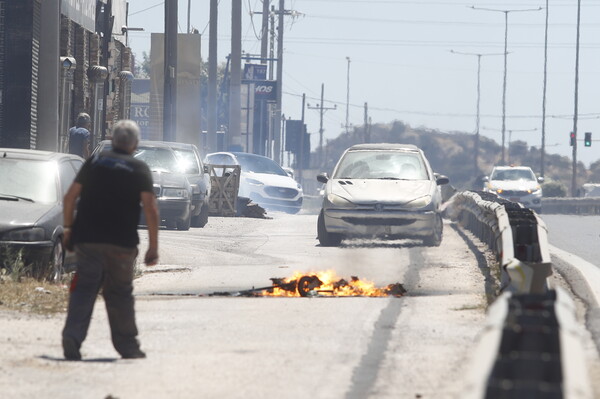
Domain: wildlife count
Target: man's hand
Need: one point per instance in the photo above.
(67, 240)
(151, 257)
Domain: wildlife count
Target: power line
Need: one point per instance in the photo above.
(146, 9)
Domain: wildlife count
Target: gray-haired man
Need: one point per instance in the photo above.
(79, 136)
(110, 187)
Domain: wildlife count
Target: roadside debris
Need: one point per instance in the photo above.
(249, 209)
(319, 284)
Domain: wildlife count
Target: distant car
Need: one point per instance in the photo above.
(198, 177)
(262, 180)
(517, 184)
(381, 190)
(32, 186)
(171, 185)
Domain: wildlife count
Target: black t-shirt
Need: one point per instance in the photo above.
(109, 206)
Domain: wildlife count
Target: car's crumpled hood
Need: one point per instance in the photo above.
(169, 179)
(520, 185)
(269, 179)
(367, 191)
(21, 213)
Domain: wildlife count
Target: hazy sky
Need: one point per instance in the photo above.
(402, 66)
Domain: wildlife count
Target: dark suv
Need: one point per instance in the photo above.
(171, 186)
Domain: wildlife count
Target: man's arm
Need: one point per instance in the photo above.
(151, 214)
(69, 202)
(86, 148)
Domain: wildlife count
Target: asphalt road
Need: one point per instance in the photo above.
(579, 235)
(200, 346)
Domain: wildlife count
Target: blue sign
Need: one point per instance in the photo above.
(255, 72)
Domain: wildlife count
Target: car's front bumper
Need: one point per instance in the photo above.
(371, 223)
(294, 204)
(171, 209)
(532, 201)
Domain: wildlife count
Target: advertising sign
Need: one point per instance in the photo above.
(255, 72)
(265, 90)
(82, 12)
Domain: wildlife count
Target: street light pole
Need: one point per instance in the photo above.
(543, 154)
(575, 113)
(348, 96)
(505, 65)
(477, 118)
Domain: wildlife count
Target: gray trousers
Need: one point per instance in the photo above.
(109, 267)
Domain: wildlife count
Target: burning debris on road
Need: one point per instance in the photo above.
(319, 284)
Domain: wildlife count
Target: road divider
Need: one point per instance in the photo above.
(572, 206)
(531, 345)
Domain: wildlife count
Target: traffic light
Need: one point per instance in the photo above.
(587, 141)
(572, 139)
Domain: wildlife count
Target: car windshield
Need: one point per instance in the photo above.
(159, 159)
(187, 161)
(392, 165)
(25, 178)
(513, 174)
(258, 164)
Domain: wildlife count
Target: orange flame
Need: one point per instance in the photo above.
(331, 285)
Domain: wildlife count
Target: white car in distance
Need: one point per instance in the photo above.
(516, 184)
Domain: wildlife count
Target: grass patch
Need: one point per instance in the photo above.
(29, 295)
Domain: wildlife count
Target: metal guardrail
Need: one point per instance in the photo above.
(531, 345)
(572, 206)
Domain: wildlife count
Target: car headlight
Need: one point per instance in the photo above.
(420, 202)
(339, 201)
(535, 190)
(176, 193)
(255, 182)
(29, 234)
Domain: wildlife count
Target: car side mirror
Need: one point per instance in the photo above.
(540, 179)
(485, 179)
(322, 178)
(441, 179)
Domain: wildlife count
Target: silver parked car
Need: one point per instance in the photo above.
(32, 186)
(381, 190)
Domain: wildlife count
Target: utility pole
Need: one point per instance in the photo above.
(211, 139)
(348, 96)
(300, 160)
(477, 117)
(322, 108)
(576, 111)
(189, 27)
(264, 35)
(506, 12)
(277, 131)
(235, 82)
(367, 139)
(170, 89)
(543, 155)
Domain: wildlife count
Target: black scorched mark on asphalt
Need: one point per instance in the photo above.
(365, 374)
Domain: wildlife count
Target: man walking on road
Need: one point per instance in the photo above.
(110, 187)
(79, 136)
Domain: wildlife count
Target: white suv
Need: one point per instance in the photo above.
(517, 184)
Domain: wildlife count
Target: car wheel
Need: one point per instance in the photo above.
(435, 239)
(57, 262)
(326, 239)
(202, 219)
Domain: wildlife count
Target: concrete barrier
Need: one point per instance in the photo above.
(572, 206)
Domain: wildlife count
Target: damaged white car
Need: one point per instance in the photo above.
(381, 190)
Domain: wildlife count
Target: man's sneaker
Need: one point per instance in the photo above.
(70, 349)
(135, 354)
